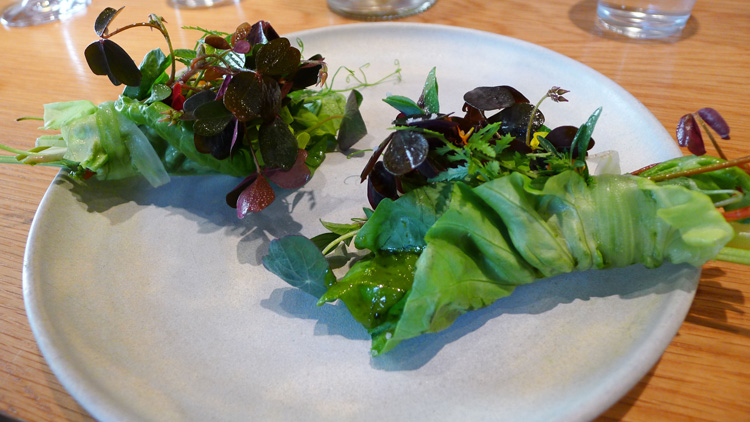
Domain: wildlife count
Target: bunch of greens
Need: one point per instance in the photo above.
(500, 132)
(458, 240)
(243, 105)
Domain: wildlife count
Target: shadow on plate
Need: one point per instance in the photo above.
(332, 319)
(200, 199)
(533, 299)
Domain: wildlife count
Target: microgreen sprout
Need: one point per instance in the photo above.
(555, 94)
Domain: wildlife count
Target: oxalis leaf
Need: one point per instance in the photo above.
(255, 197)
(296, 260)
(352, 127)
(278, 146)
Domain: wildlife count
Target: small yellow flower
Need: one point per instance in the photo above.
(465, 136)
(534, 143)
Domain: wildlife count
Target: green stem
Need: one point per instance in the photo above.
(700, 170)
(531, 119)
(736, 255)
(338, 240)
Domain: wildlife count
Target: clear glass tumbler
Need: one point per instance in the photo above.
(378, 9)
(645, 18)
(28, 13)
(194, 4)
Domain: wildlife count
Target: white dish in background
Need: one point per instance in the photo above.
(152, 304)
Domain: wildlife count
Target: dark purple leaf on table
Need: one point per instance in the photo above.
(688, 134)
(714, 120)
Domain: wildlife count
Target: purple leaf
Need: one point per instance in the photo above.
(255, 197)
(242, 47)
(295, 177)
(217, 42)
(714, 120)
(688, 134)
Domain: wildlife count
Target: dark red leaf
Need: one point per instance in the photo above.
(295, 177)
(714, 120)
(689, 135)
(255, 197)
(218, 42)
(242, 47)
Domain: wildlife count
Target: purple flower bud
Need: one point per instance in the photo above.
(714, 120)
(689, 134)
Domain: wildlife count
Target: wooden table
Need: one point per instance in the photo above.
(705, 372)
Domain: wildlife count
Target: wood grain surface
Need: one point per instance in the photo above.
(704, 375)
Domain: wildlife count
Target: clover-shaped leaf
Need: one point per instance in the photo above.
(277, 57)
(212, 117)
(105, 57)
(278, 146)
(250, 95)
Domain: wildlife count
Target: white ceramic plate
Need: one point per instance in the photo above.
(152, 304)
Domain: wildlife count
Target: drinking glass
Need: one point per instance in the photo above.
(645, 18)
(378, 9)
(30, 12)
(200, 3)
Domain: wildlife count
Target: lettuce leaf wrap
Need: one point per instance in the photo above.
(487, 240)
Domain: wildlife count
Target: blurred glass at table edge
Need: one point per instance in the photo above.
(378, 9)
(645, 19)
(191, 4)
(30, 13)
